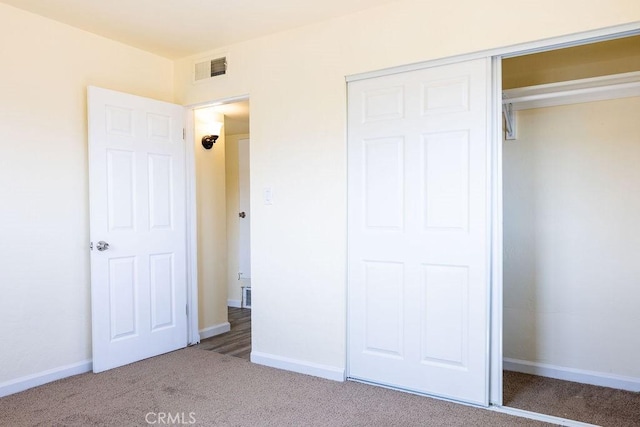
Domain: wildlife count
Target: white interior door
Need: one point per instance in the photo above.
(137, 204)
(418, 266)
(244, 243)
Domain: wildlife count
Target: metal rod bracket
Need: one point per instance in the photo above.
(509, 121)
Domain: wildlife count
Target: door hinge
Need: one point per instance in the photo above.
(91, 246)
(184, 133)
(187, 309)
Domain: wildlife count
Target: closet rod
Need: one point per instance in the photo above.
(574, 91)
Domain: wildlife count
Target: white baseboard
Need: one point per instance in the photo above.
(23, 383)
(299, 366)
(214, 330)
(576, 375)
(234, 303)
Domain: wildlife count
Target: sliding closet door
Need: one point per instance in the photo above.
(418, 266)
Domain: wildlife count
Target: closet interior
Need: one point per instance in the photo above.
(571, 231)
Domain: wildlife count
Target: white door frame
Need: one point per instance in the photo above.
(495, 202)
(192, 223)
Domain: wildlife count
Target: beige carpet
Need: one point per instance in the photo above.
(582, 402)
(223, 390)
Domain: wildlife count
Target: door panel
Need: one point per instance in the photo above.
(418, 235)
(160, 191)
(244, 238)
(162, 286)
(138, 206)
(384, 308)
(120, 189)
(384, 182)
(446, 166)
(122, 297)
(445, 320)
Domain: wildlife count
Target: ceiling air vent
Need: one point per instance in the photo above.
(210, 68)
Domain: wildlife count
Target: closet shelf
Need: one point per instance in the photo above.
(573, 91)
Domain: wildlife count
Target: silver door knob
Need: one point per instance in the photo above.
(102, 246)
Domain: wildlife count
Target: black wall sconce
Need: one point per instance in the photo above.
(214, 133)
(209, 140)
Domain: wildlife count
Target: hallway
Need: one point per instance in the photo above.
(236, 342)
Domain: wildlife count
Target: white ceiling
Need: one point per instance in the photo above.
(178, 28)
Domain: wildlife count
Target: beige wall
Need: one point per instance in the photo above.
(296, 80)
(571, 206)
(44, 233)
(211, 223)
(233, 207)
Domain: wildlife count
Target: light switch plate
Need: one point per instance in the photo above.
(268, 195)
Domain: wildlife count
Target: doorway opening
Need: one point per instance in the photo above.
(223, 229)
(570, 198)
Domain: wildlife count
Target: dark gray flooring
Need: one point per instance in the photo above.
(236, 342)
